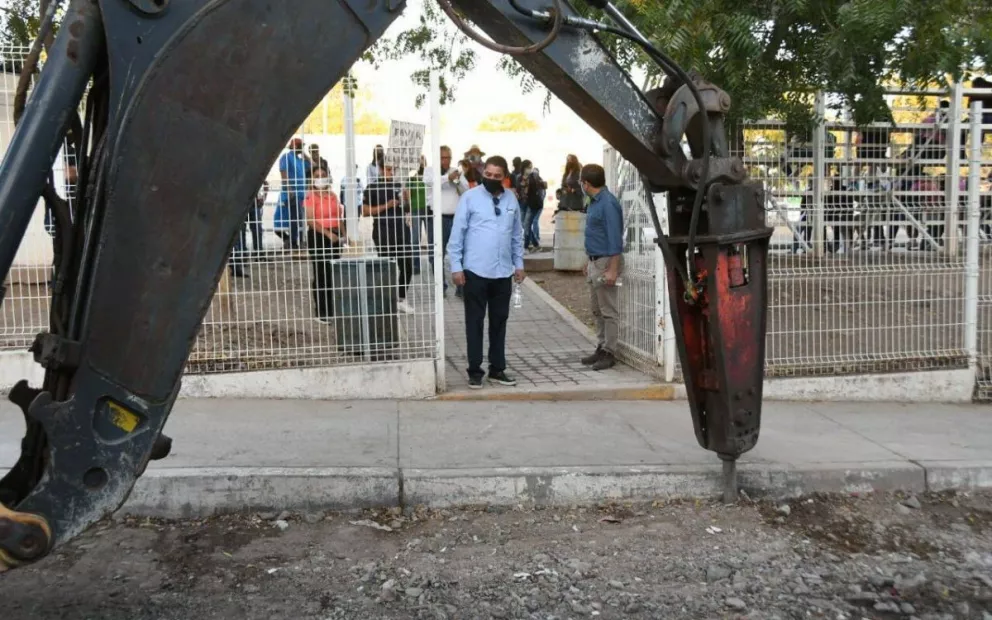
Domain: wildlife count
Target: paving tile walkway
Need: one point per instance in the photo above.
(542, 349)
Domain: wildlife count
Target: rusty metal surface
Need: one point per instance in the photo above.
(722, 337)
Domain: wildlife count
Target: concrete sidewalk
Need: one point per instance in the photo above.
(305, 455)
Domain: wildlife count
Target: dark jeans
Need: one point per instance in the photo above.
(294, 207)
(238, 253)
(421, 220)
(322, 251)
(255, 228)
(403, 254)
(446, 222)
(481, 294)
(532, 227)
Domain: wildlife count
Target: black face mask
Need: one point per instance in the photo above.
(492, 186)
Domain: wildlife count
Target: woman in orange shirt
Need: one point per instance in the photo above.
(325, 232)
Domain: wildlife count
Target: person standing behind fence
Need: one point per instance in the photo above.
(470, 173)
(453, 185)
(386, 202)
(324, 234)
(294, 169)
(604, 245)
(374, 171)
(254, 220)
(487, 254)
(420, 209)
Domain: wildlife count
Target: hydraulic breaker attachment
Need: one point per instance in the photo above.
(721, 324)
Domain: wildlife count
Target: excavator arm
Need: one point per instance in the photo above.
(187, 103)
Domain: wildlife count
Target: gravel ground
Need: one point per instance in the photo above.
(879, 557)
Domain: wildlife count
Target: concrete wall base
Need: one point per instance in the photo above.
(933, 386)
(416, 379)
(392, 381)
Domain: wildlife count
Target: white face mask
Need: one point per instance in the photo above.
(322, 183)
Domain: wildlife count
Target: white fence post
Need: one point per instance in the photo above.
(953, 189)
(971, 248)
(663, 311)
(819, 174)
(351, 167)
(434, 159)
(353, 211)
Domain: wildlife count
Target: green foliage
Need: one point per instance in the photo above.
(441, 46)
(19, 22)
(769, 55)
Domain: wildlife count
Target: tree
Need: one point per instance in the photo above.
(508, 122)
(769, 55)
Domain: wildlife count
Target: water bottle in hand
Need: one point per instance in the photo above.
(518, 298)
(602, 280)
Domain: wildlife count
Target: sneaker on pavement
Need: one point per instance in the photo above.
(605, 361)
(503, 379)
(589, 360)
(404, 307)
(475, 383)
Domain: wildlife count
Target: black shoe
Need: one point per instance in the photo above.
(502, 378)
(589, 360)
(605, 361)
(475, 383)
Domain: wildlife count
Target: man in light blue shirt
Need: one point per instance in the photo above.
(487, 253)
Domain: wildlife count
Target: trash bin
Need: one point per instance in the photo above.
(368, 282)
(570, 241)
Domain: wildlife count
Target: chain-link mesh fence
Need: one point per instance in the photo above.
(868, 261)
(311, 280)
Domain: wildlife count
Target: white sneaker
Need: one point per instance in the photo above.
(405, 307)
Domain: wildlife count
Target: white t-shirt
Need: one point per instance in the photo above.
(451, 193)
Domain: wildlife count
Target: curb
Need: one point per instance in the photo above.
(202, 492)
(639, 391)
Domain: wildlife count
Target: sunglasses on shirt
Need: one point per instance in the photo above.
(496, 206)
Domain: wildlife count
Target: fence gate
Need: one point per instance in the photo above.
(646, 338)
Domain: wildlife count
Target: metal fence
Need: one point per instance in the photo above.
(646, 333)
(314, 278)
(880, 257)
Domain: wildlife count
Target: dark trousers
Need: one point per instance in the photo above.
(238, 258)
(294, 207)
(446, 222)
(322, 251)
(481, 294)
(403, 255)
(255, 228)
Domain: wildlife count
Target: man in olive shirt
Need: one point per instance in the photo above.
(604, 246)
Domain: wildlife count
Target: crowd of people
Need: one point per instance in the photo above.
(490, 216)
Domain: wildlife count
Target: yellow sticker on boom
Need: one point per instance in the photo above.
(122, 418)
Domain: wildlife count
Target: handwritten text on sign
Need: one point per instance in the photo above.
(406, 143)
